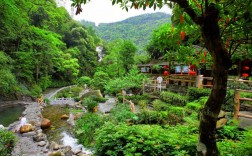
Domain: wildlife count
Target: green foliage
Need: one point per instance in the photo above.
(159, 105)
(89, 103)
(121, 113)
(36, 91)
(196, 93)
(173, 98)
(194, 106)
(142, 104)
(237, 85)
(85, 128)
(100, 80)
(236, 148)
(123, 139)
(7, 142)
(69, 92)
(84, 80)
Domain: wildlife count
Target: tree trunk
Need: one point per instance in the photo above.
(221, 63)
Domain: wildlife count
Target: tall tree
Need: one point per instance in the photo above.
(207, 14)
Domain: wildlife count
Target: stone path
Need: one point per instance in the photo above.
(25, 145)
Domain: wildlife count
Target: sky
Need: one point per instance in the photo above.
(102, 11)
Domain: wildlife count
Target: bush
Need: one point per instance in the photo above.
(159, 105)
(173, 98)
(196, 93)
(84, 80)
(90, 104)
(122, 139)
(7, 142)
(236, 148)
(36, 91)
(121, 113)
(142, 104)
(85, 128)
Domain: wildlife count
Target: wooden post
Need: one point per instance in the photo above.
(237, 104)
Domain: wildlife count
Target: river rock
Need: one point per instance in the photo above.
(42, 143)
(78, 115)
(64, 117)
(67, 151)
(46, 123)
(54, 146)
(2, 127)
(220, 123)
(28, 134)
(39, 137)
(26, 128)
(77, 151)
(58, 153)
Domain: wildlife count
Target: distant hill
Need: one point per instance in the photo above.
(138, 28)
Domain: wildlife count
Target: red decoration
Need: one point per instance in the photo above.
(165, 67)
(178, 42)
(192, 67)
(166, 72)
(246, 68)
(192, 73)
(245, 75)
(182, 35)
(205, 53)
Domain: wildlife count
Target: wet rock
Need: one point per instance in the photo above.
(42, 143)
(46, 123)
(64, 117)
(77, 151)
(28, 134)
(220, 123)
(67, 151)
(26, 128)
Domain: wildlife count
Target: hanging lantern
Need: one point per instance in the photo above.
(246, 68)
(166, 72)
(182, 35)
(192, 73)
(165, 67)
(205, 53)
(192, 67)
(245, 75)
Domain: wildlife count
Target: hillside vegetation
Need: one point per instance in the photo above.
(138, 29)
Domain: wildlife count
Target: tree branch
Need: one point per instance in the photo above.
(185, 5)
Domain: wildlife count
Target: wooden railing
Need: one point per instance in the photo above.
(237, 100)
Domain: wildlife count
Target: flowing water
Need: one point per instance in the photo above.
(11, 114)
(61, 132)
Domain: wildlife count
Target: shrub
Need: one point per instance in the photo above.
(121, 113)
(122, 139)
(142, 104)
(7, 142)
(90, 104)
(36, 91)
(173, 98)
(159, 105)
(196, 93)
(85, 128)
(236, 148)
(84, 80)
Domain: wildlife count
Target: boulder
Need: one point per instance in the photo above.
(46, 123)
(29, 134)
(64, 117)
(220, 123)
(26, 128)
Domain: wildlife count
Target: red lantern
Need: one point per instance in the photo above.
(166, 72)
(246, 68)
(178, 42)
(245, 75)
(192, 67)
(192, 73)
(182, 35)
(165, 67)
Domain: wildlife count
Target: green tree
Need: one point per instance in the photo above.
(206, 14)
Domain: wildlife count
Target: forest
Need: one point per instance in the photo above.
(42, 47)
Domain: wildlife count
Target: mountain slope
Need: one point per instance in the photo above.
(137, 29)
